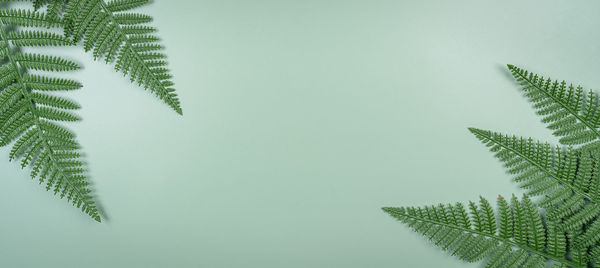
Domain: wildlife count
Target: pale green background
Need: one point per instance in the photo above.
(301, 119)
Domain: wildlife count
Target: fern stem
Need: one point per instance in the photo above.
(127, 45)
(548, 172)
(25, 93)
(556, 100)
(503, 240)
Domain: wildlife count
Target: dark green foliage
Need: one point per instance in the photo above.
(566, 181)
(30, 111)
(517, 236)
(569, 111)
(111, 30)
(54, 8)
(29, 106)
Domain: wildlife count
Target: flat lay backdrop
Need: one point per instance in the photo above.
(301, 119)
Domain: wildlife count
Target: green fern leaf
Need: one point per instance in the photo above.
(112, 31)
(29, 115)
(569, 111)
(54, 8)
(567, 180)
(501, 248)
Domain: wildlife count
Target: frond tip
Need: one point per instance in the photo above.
(114, 32)
(572, 113)
(517, 236)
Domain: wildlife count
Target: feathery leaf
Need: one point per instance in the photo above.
(502, 248)
(27, 113)
(112, 31)
(569, 111)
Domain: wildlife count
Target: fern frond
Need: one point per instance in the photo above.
(29, 114)
(112, 31)
(569, 111)
(568, 180)
(534, 243)
(540, 168)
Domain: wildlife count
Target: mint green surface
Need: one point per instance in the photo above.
(301, 119)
